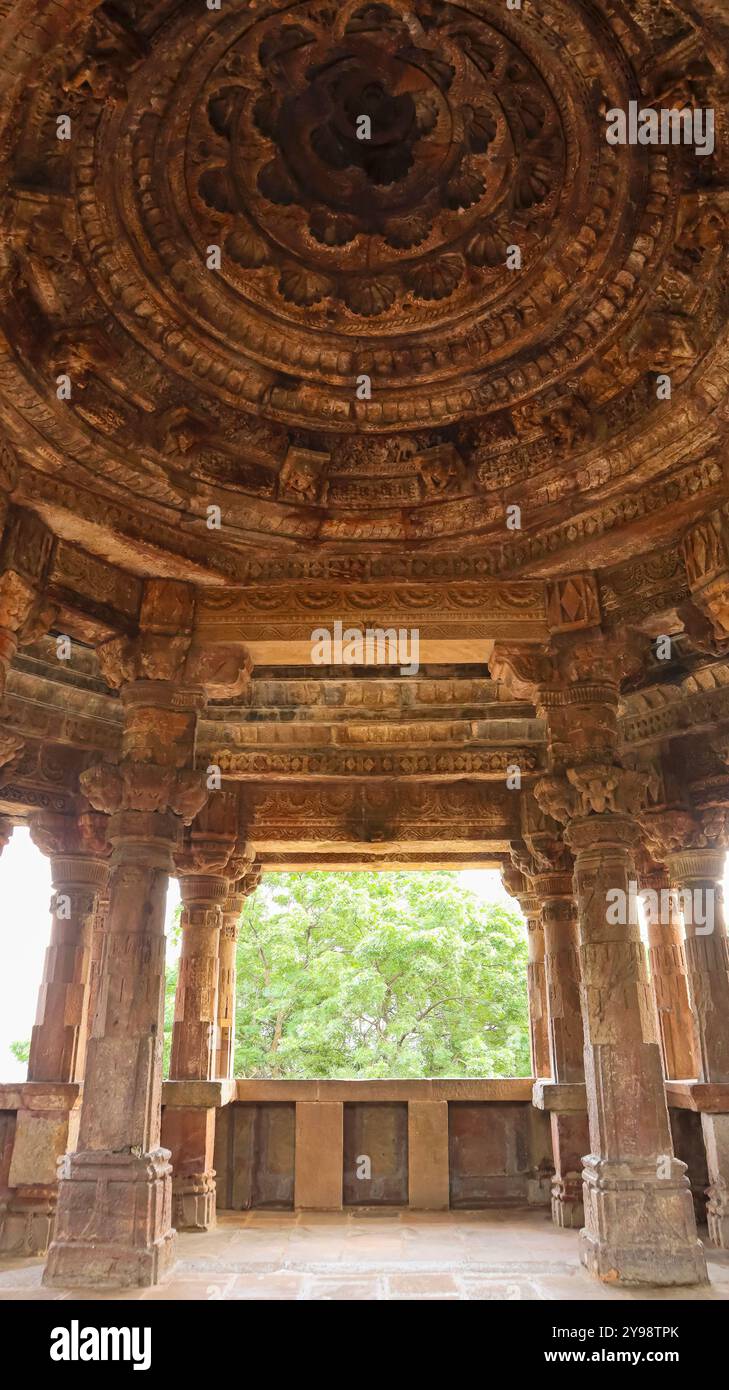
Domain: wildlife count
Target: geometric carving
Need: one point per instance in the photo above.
(573, 603)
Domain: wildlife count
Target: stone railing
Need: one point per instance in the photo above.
(325, 1145)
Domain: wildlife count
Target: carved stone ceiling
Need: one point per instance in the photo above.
(343, 258)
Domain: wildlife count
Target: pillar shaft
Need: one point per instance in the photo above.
(669, 976)
(699, 873)
(196, 1000)
(123, 1072)
(570, 1138)
(78, 850)
(57, 1049)
(225, 1032)
(562, 960)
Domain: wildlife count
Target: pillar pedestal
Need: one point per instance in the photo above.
(114, 1221)
(639, 1226)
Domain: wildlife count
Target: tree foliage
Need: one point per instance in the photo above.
(379, 975)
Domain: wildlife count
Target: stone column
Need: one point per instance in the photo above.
(46, 1123)
(552, 897)
(196, 999)
(570, 1136)
(232, 909)
(204, 865)
(698, 874)
(639, 1219)
(78, 850)
(694, 846)
(113, 1225)
(667, 959)
(519, 886)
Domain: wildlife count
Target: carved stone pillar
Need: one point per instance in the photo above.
(232, 909)
(570, 1137)
(552, 897)
(203, 868)
(114, 1226)
(693, 846)
(78, 850)
(698, 874)
(669, 977)
(639, 1219)
(46, 1121)
(519, 886)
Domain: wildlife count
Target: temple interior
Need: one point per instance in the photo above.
(364, 504)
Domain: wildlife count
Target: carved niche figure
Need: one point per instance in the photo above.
(302, 476)
(441, 470)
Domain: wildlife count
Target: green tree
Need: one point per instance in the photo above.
(379, 975)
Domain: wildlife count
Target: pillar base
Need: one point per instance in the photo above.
(568, 1210)
(639, 1227)
(570, 1141)
(113, 1222)
(26, 1220)
(193, 1202)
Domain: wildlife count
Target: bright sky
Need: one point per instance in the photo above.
(25, 892)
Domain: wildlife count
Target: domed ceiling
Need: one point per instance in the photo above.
(340, 340)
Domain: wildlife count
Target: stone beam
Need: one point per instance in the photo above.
(457, 621)
(321, 817)
(420, 764)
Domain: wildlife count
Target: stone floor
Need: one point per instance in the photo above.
(375, 1255)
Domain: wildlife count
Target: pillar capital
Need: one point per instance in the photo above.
(575, 668)
(692, 843)
(166, 652)
(144, 788)
(210, 842)
(706, 557)
(593, 790)
(82, 835)
(250, 881)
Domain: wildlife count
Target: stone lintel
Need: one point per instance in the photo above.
(40, 1095)
(190, 1095)
(566, 1097)
(507, 1089)
(706, 1097)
